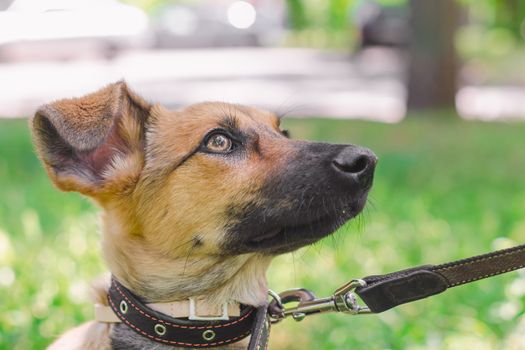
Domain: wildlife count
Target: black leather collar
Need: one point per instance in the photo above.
(181, 332)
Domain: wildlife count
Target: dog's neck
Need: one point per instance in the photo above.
(157, 278)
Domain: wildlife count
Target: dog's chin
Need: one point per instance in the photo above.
(284, 235)
(289, 238)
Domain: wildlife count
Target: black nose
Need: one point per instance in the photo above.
(355, 163)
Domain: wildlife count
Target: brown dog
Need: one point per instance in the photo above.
(196, 202)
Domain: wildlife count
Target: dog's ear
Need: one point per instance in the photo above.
(93, 144)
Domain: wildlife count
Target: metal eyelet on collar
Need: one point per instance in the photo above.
(208, 335)
(160, 329)
(182, 332)
(123, 307)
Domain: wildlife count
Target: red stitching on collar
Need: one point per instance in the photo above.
(172, 341)
(176, 325)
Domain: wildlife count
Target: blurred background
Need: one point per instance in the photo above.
(435, 87)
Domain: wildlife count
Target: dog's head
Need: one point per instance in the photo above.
(213, 179)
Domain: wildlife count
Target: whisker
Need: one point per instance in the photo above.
(294, 271)
(186, 261)
(184, 243)
(283, 111)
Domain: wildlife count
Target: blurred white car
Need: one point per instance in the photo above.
(216, 23)
(63, 29)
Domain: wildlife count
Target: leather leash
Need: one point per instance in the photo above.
(383, 292)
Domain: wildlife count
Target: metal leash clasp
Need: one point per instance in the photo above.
(343, 300)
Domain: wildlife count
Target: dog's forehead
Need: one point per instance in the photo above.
(215, 113)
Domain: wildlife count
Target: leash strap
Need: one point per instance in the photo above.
(261, 330)
(384, 292)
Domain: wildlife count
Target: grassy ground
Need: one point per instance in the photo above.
(445, 189)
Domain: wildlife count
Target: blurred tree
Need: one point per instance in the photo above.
(509, 14)
(433, 62)
(296, 14)
(338, 14)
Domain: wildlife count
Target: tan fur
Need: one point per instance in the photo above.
(152, 215)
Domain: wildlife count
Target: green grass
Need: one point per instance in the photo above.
(444, 189)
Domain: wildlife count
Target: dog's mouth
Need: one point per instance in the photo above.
(286, 234)
(288, 238)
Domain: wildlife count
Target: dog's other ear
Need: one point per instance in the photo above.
(93, 144)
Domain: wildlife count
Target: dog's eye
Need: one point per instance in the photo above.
(219, 143)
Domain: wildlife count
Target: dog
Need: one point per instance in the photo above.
(195, 202)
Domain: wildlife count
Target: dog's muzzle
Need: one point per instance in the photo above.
(318, 190)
